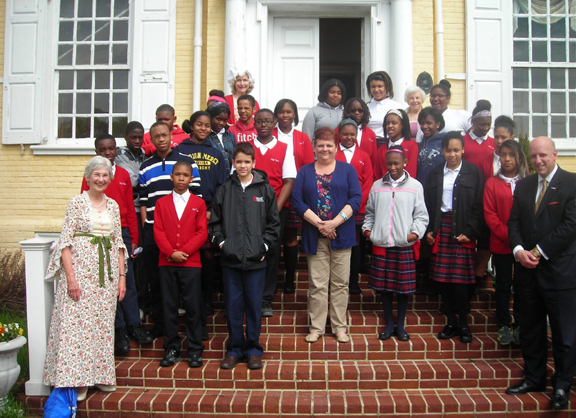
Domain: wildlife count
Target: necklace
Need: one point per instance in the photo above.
(98, 206)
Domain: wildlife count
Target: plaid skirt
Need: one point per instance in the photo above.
(452, 263)
(394, 272)
(359, 218)
(292, 220)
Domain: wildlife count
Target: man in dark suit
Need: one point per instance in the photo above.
(542, 233)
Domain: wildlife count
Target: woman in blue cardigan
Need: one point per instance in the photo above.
(327, 195)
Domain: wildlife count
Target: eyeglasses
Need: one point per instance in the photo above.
(437, 96)
(357, 110)
(164, 135)
(265, 121)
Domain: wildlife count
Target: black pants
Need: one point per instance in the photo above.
(151, 256)
(504, 264)
(273, 261)
(535, 304)
(182, 282)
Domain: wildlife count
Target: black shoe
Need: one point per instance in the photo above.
(205, 336)
(289, 288)
(355, 290)
(386, 335)
(195, 361)
(448, 332)
(559, 399)
(209, 307)
(402, 337)
(524, 387)
(171, 357)
(121, 340)
(156, 332)
(465, 335)
(139, 334)
(267, 311)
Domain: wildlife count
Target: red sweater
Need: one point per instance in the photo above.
(272, 163)
(120, 189)
(230, 101)
(497, 206)
(303, 152)
(486, 166)
(410, 149)
(178, 135)
(186, 234)
(474, 153)
(242, 132)
(368, 144)
(363, 166)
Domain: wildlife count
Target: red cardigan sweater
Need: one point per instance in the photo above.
(120, 189)
(178, 135)
(474, 152)
(303, 152)
(410, 149)
(497, 205)
(363, 166)
(186, 234)
(368, 143)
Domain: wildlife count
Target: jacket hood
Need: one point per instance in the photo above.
(259, 176)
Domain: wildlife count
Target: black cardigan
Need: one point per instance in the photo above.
(467, 206)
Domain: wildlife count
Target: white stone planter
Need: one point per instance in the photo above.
(9, 367)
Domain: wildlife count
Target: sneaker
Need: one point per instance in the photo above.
(504, 335)
(121, 340)
(516, 335)
(139, 334)
(267, 311)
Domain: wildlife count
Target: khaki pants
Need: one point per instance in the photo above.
(328, 267)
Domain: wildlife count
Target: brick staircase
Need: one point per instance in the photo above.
(368, 377)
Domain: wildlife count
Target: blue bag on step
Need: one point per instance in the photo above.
(61, 403)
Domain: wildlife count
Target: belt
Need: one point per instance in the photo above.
(104, 246)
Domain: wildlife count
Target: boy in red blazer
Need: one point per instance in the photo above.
(180, 229)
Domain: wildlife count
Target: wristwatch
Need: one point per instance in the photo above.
(536, 253)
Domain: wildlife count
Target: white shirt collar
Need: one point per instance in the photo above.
(350, 150)
(399, 142)
(476, 137)
(184, 197)
(267, 146)
(448, 170)
(549, 177)
(508, 179)
(396, 182)
(283, 135)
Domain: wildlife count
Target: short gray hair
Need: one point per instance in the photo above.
(96, 163)
(414, 89)
(236, 72)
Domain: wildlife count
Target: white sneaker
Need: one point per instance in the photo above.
(106, 388)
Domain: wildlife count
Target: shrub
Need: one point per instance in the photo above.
(12, 281)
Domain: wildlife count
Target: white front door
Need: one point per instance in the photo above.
(296, 62)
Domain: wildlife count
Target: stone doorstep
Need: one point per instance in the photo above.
(143, 402)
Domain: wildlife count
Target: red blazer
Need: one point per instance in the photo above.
(363, 166)
(497, 205)
(230, 101)
(303, 152)
(242, 132)
(178, 135)
(120, 189)
(186, 234)
(410, 149)
(368, 143)
(474, 153)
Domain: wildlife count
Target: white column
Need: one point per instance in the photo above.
(39, 304)
(401, 47)
(235, 38)
(197, 56)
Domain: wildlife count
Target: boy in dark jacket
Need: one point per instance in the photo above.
(244, 224)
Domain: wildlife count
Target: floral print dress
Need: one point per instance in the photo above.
(80, 348)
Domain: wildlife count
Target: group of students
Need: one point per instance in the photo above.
(427, 200)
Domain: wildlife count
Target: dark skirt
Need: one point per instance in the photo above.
(452, 263)
(292, 220)
(359, 218)
(394, 272)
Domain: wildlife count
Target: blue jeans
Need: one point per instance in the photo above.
(243, 295)
(127, 312)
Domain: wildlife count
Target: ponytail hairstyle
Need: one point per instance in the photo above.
(445, 86)
(505, 122)
(188, 124)
(482, 109)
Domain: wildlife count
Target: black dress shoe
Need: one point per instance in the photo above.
(385, 336)
(254, 362)
(524, 387)
(403, 337)
(448, 332)
(170, 357)
(121, 340)
(195, 361)
(559, 399)
(465, 335)
(228, 363)
(355, 290)
(139, 334)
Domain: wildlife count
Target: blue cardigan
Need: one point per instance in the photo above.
(344, 190)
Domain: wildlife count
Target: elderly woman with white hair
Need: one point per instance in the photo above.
(415, 97)
(89, 259)
(241, 82)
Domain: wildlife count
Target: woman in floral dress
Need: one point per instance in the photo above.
(89, 261)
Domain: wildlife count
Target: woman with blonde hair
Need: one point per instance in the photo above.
(241, 82)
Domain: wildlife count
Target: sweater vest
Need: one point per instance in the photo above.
(272, 163)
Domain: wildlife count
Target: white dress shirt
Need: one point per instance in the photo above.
(180, 202)
(477, 138)
(348, 152)
(496, 164)
(378, 110)
(289, 166)
(399, 142)
(288, 139)
(511, 181)
(448, 187)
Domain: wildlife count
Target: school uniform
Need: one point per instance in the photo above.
(378, 110)
(478, 148)
(181, 225)
(243, 133)
(366, 141)
(395, 209)
(178, 135)
(410, 151)
(363, 166)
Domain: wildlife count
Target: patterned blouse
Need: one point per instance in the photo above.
(324, 198)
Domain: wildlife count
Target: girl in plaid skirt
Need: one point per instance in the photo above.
(396, 217)
(453, 195)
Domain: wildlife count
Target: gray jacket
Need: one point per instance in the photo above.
(321, 116)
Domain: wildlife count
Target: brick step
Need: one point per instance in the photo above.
(324, 375)
(180, 403)
(362, 346)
